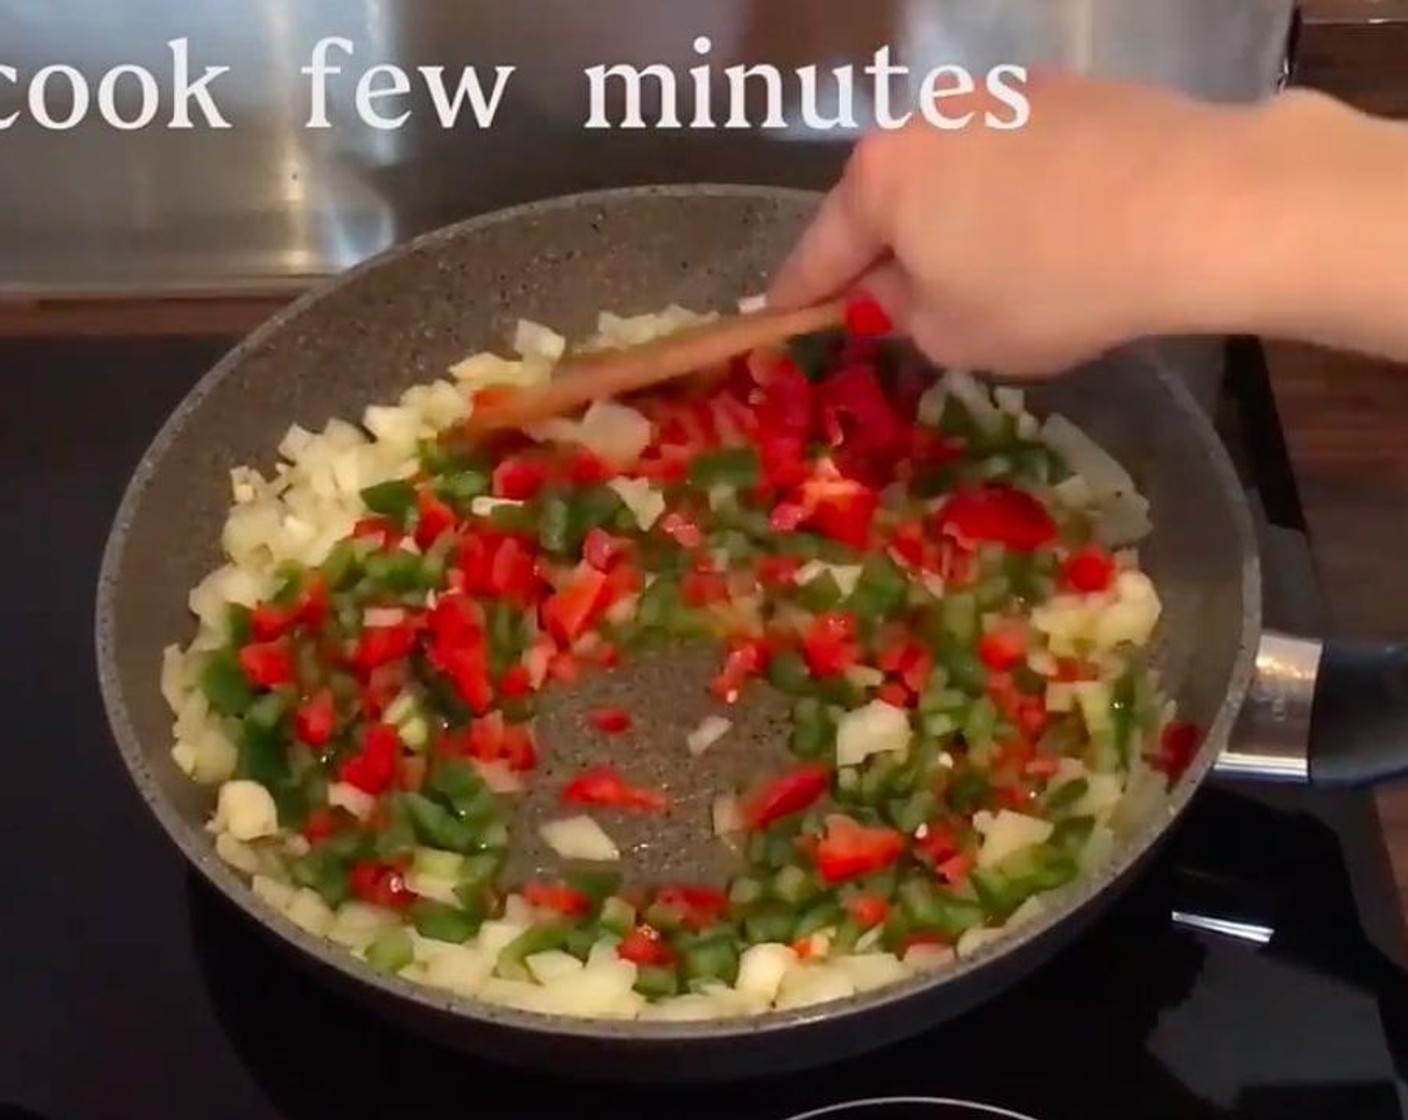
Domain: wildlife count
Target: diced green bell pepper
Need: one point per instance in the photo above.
(437, 826)
(788, 672)
(262, 749)
(325, 873)
(745, 891)
(391, 952)
(880, 590)
(394, 499)
(794, 885)
(819, 916)
(927, 907)
(655, 981)
(770, 922)
(443, 922)
(617, 916)
(535, 939)
(711, 958)
(820, 593)
(1064, 796)
(226, 688)
(735, 467)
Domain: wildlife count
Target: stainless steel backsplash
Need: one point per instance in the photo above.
(269, 204)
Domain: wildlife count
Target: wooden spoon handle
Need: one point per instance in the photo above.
(612, 373)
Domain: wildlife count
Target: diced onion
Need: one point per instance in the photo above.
(533, 340)
(877, 728)
(245, 810)
(1007, 832)
(727, 815)
(498, 777)
(579, 838)
(383, 616)
(964, 388)
(710, 730)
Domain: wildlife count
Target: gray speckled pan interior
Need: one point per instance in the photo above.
(402, 318)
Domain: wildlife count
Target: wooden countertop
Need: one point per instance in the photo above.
(1346, 425)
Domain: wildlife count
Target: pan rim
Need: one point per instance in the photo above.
(199, 853)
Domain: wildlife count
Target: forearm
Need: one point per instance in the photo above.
(1298, 230)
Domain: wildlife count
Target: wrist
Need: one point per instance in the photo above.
(1284, 223)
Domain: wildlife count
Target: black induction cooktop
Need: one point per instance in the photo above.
(1250, 973)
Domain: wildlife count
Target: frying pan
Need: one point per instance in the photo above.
(1274, 706)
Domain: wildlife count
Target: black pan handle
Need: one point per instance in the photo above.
(1359, 716)
(1330, 713)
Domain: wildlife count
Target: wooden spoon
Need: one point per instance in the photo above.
(604, 374)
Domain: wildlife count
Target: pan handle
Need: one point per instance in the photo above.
(1329, 713)
(1359, 725)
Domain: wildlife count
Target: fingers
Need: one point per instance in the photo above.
(888, 285)
(836, 249)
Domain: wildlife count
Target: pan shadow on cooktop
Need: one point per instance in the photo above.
(316, 1053)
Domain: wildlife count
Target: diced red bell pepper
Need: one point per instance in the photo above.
(894, 694)
(703, 589)
(787, 517)
(604, 786)
(373, 769)
(857, 415)
(468, 670)
(321, 823)
(698, 906)
(999, 513)
(515, 682)
(558, 898)
(1089, 570)
(384, 684)
(566, 613)
(829, 646)
(410, 772)
(938, 843)
(681, 530)
(744, 660)
(268, 622)
(491, 739)
(454, 622)
(435, 517)
(380, 645)
(587, 469)
(842, 509)
(1003, 647)
(778, 571)
(611, 721)
(314, 720)
(380, 884)
(267, 664)
(783, 459)
(956, 868)
(912, 544)
(786, 404)
(868, 910)
(782, 796)
(314, 602)
(925, 937)
(866, 318)
(603, 551)
(520, 477)
(1178, 746)
(380, 529)
(565, 668)
(643, 945)
(849, 849)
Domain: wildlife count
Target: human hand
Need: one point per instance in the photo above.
(1026, 251)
